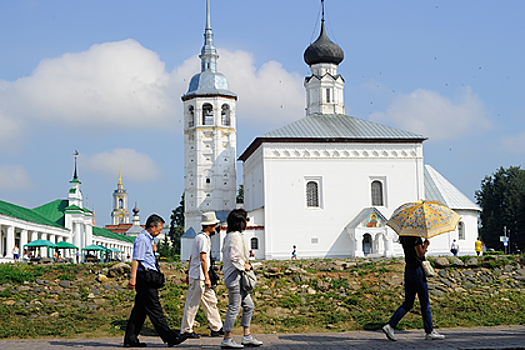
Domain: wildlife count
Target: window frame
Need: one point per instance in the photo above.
(256, 240)
(383, 183)
(461, 231)
(318, 181)
(208, 117)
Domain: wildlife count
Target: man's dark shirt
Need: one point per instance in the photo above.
(409, 246)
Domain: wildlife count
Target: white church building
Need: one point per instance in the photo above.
(326, 183)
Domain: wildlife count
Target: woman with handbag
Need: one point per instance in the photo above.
(236, 261)
(415, 283)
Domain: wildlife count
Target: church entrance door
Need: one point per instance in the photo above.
(367, 243)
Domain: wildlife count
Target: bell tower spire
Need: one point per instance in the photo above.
(208, 54)
(209, 141)
(120, 214)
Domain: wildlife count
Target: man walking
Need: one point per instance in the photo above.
(200, 289)
(147, 297)
(454, 248)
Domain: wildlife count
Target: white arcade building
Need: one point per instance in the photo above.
(325, 183)
(60, 220)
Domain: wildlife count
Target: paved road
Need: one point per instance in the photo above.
(502, 337)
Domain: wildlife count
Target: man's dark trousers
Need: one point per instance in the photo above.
(147, 304)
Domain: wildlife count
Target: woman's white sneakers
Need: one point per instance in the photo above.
(230, 344)
(251, 341)
(389, 331)
(246, 341)
(434, 336)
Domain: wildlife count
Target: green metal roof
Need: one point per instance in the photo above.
(27, 214)
(54, 211)
(99, 231)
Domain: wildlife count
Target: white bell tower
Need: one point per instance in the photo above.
(209, 142)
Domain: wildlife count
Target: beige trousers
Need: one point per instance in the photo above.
(199, 294)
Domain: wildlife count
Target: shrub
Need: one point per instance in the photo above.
(495, 252)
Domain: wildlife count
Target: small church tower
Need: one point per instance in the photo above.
(209, 142)
(324, 88)
(120, 214)
(77, 218)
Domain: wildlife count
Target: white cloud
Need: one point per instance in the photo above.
(122, 84)
(266, 94)
(111, 84)
(14, 178)
(135, 166)
(9, 132)
(514, 144)
(430, 114)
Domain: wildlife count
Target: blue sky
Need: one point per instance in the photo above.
(105, 78)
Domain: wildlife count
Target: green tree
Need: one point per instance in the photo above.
(502, 200)
(164, 248)
(177, 227)
(240, 194)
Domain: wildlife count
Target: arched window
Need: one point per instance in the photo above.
(461, 231)
(254, 243)
(207, 114)
(312, 194)
(377, 193)
(225, 115)
(191, 117)
(120, 203)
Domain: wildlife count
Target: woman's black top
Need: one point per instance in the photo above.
(409, 246)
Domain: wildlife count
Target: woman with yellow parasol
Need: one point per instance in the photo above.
(413, 222)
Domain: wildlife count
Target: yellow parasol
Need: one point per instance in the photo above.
(424, 219)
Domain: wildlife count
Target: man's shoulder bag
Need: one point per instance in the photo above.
(154, 278)
(214, 276)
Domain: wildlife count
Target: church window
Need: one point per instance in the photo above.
(208, 180)
(254, 243)
(461, 231)
(207, 114)
(191, 116)
(225, 115)
(312, 194)
(120, 203)
(328, 95)
(377, 194)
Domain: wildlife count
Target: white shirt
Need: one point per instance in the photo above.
(201, 244)
(235, 253)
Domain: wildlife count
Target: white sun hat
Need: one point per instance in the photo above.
(209, 218)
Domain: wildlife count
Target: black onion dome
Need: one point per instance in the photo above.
(323, 50)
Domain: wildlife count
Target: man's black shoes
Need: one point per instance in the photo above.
(218, 333)
(181, 338)
(135, 345)
(192, 335)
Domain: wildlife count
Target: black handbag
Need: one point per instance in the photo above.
(154, 278)
(214, 277)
